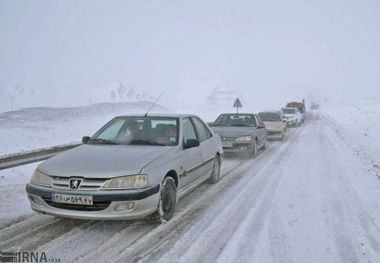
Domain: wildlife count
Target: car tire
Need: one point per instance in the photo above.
(264, 144)
(254, 151)
(215, 173)
(282, 136)
(167, 202)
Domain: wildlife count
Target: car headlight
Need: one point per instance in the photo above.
(40, 178)
(244, 138)
(127, 182)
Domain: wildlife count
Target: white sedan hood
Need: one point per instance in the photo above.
(102, 161)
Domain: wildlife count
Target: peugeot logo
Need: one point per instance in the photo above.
(75, 183)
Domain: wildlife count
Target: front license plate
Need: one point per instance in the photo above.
(227, 144)
(72, 199)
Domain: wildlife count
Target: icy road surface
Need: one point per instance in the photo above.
(309, 198)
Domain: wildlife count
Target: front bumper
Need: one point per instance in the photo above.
(239, 147)
(106, 203)
(291, 123)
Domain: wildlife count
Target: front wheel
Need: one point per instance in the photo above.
(264, 144)
(167, 202)
(254, 151)
(215, 173)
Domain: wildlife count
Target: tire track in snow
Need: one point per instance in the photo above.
(29, 237)
(153, 249)
(117, 243)
(241, 246)
(129, 236)
(15, 220)
(153, 245)
(80, 242)
(279, 242)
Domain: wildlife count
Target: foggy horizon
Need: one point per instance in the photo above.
(66, 52)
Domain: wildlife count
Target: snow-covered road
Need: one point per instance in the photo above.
(309, 198)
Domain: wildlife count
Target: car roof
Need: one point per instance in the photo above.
(271, 111)
(164, 115)
(241, 113)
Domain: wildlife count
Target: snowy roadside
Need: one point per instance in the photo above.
(357, 123)
(14, 204)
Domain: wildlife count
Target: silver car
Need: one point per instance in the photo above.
(132, 167)
(275, 123)
(241, 132)
(292, 116)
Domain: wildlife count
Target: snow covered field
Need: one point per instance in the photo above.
(35, 128)
(357, 123)
(310, 198)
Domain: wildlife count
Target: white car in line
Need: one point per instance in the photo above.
(293, 116)
(274, 124)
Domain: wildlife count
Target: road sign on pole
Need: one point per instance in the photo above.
(237, 105)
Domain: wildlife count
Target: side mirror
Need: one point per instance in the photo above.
(284, 121)
(85, 139)
(190, 143)
(210, 124)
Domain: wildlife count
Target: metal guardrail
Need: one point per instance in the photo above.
(17, 159)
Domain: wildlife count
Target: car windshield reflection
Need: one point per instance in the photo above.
(156, 131)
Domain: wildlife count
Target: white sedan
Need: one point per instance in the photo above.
(134, 166)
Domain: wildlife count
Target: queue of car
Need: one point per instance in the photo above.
(140, 165)
(275, 123)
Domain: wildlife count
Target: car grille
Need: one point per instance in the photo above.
(97, 206)
(87, 183)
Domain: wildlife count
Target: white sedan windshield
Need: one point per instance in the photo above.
(139, 131)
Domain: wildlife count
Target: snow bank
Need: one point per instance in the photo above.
(358, 123)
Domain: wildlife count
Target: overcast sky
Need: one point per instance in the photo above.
(257, 48)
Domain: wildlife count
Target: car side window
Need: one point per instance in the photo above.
(188, 130)
(202, 130)
(259, 121)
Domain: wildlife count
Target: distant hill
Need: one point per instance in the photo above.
(17, 97)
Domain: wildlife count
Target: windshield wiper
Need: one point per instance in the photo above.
(102, 141)
(146, 142)
(221, 124)
(242, 125)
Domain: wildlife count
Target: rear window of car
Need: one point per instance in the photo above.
(270, 116)
(289, 111)
(235, 120)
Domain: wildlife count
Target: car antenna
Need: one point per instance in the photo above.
(154, 104)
